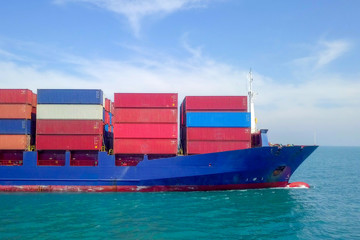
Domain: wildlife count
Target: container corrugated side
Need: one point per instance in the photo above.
(22, 96)
(70, 96)
(107, 118)
(200, 147)
(107, 104)
(34, 101)
(69, 142)
(146, 130)
(14, 142)
(145, 115)
(218, 119)
(145, 100)
(145, 146)
(205, 133)
(215, 103)
(15, 126)
(69, 111)
(52, 126)
(15, 111)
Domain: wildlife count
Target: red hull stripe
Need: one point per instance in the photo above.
(57, 188)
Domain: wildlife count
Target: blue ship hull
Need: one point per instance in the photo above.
(260, 167)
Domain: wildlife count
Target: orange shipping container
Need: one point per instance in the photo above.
(15, 111)
(34, 100)
(14, 142)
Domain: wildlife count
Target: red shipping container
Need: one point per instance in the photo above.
(24, 96)
(51, 158)
(51, 162)
(11, 157)
(199, 147)
(107, 105)
(145, 115)
(15, 111)
(107, 118)
(11, 162)
(69, 142)
(216, 103)
(146, 130)
(145, 146)
(206, 133)
(63, 127)
(146, 100)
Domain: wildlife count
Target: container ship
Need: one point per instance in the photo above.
(76, 140)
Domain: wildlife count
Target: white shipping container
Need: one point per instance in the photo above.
(69, 111)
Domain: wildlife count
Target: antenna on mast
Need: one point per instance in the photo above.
(251, 106)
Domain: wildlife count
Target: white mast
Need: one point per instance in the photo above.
(251, 106)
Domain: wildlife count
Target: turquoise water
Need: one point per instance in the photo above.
(329, 210)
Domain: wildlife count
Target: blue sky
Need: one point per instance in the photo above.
(305, 55)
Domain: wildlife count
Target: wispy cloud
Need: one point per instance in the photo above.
(136, 10)
(149, 72)
(331, 51)
(195, 51)
(9, 55)
(322, 103)
(323, 53)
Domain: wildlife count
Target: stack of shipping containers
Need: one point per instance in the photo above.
(214, 124)
(17, 118)
(72, 120)
(144, 123)
(83, 122)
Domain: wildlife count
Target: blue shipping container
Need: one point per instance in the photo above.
(70, 96)
(15, 126)
(218, 119)
(110, 118)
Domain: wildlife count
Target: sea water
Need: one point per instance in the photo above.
(330, 209)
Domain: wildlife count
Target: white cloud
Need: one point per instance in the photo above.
(323, 53)
(14, 75)
(323, 104)
(332, 51)
(136, 10)
(10, 55)
(196, 52)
